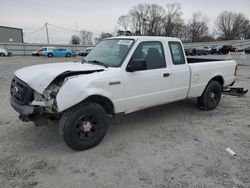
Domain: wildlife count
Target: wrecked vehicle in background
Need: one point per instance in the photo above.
(41, 50)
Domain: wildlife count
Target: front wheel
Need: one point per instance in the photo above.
(50, 55)
(211, 96)
(2, 54)
(68, 55)
(84, 126)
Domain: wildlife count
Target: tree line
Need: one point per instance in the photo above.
(156, 20)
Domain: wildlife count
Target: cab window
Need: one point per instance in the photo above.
(152, 53)
(177, 53)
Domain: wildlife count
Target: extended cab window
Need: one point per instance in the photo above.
(152, 53)
(176, 53)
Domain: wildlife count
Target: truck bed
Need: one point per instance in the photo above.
(202, 60)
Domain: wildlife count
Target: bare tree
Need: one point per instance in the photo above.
(139, 16)
(173, 23)
(155, 17)
(103, 36)
(197, 26)
(185, 34)
(246, 30)
(75, 39)
(231, 25)
(147, 19)
(124, 22)
(86, 37)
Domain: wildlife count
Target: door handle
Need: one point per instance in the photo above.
(166, 74)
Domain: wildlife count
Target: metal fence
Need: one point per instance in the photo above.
(239, 44)
(25, 49)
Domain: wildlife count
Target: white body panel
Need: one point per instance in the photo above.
(76, 89)
(133, 90)
(40, 76)
(202, 73)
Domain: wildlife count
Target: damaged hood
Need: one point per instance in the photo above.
(39, 77)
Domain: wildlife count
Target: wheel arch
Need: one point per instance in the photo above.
(48, 54)
(219, 79)
(105, 102)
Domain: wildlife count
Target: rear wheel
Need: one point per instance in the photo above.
(50, 55)
(84, 126)
(211, 96)
(68, 55)
(2, 54)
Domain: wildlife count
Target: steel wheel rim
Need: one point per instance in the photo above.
(213, 97)
(86, 127)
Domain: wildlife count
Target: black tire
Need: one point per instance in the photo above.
(50, 55)
(211, 96)
(2, 54)
(68, 55)
(84, 126)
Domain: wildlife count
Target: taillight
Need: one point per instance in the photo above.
(235, 71)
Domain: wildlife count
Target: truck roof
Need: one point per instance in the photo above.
(147, 38)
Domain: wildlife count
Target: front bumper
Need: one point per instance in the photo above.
(26, 110)
(22, 109)
(33, 113)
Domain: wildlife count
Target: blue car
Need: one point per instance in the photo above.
(58, 52)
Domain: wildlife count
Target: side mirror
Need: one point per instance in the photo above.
(136, 65)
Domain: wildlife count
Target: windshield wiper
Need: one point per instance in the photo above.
(98, 63)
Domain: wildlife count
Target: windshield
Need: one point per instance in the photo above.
(110, 52)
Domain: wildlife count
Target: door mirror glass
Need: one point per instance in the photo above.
(136, 65)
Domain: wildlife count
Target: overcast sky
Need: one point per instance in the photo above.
(94, 15)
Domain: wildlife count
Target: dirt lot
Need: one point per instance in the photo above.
(175, 145)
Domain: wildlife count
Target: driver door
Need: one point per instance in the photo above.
(149, 87)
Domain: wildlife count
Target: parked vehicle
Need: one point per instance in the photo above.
(208, 49)
(41, 50)
(85, 52)
(58, 52)
(121, 75)
(190, 51)
(201, 51)
(247, 50)
(225, 49)
(3, 52)
(215, 49)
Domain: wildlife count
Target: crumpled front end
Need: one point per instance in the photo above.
(29, 103)
(36, 99)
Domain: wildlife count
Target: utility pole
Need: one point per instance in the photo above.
(46, 26)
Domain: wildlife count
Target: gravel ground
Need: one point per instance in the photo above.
(175, 145)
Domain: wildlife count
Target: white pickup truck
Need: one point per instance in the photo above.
(120, 75)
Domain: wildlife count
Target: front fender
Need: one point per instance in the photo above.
(72, 93)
